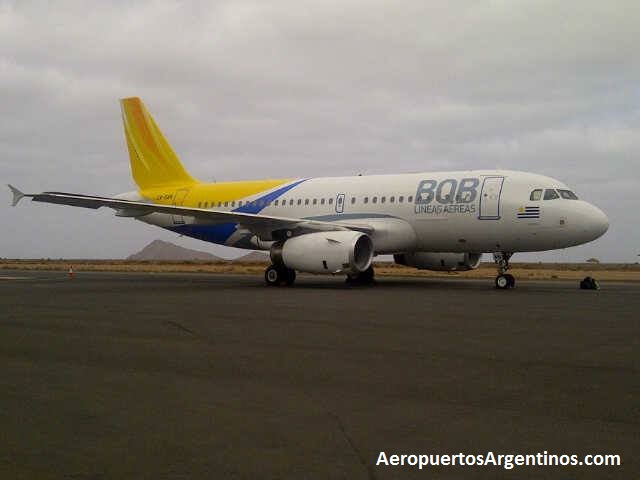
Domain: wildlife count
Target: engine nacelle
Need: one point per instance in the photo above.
(325, 252)
(439, 261)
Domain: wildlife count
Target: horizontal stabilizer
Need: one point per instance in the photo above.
(17, 195)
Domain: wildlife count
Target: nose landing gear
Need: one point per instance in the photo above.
(504, 280)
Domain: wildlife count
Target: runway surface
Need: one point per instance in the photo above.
(114, 375)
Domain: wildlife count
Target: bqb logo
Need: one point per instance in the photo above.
(450, 196)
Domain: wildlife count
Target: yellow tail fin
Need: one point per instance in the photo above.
(153, 161)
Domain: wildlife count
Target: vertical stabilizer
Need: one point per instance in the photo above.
(153, 161)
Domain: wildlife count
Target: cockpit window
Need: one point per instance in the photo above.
(550, 194)
(568, 194)
(536, 195)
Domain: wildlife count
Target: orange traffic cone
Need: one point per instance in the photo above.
(71, 271)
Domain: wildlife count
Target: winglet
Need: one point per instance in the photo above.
(17, 195)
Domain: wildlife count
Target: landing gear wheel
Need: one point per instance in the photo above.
(367, 277)
(289, 277)
(272, 276)
(502, 282)
(589, 283)
(362, 278)
(276, 276)
(511, 279)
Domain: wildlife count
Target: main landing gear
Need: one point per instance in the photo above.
(504, 280)
(275, 276)
(362, 278)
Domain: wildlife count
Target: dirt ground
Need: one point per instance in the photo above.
(524, 271)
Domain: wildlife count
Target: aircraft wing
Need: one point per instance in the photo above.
(261, 225)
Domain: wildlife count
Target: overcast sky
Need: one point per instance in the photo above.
(254, 89)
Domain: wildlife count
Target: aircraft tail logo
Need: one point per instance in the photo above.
(153, 161)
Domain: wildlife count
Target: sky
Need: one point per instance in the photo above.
(281, 89)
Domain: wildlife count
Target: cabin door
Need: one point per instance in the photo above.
(340, 203)
(490, 198)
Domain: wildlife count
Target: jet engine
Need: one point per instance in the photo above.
(325, 252)
(439, 261)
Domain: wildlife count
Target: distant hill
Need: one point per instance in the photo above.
(160, 250)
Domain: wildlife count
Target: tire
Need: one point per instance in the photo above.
(502, 282)
(511, 279)
(362, 278)
(589, 283)
(289, 277)
(272, 276)
(367, 277)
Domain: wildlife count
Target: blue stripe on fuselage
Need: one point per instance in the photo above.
(256, 206)
(220, 233)
(215, 233)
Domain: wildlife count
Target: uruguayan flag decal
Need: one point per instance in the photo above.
(529, 212)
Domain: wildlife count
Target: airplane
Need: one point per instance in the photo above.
(336, 225)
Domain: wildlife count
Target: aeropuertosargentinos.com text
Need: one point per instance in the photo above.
(491, 459)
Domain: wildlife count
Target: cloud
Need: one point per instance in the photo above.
(310, 88)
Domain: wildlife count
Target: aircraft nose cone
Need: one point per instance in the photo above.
(598, 222)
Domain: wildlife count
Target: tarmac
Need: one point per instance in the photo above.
(117, 375)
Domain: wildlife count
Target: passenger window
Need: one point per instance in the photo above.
(536, 195)
(322, 201)
(291, 201)
(550, 194)
(392, 199)
(306, 202)
(240, 203)
(374, 200)
(276, 202)
(233, 204)
(353, 200)
(226, 204)
(400, 199)
(315, 201)
(331, 201)
(410, 198)
(299, 201)
(568, 194)
(366, 199)
(219, 204)
(383, 199)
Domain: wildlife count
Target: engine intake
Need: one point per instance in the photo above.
(439, 261)
(325, 252)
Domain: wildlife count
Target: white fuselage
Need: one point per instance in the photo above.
(463, 211)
